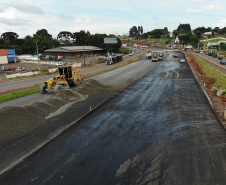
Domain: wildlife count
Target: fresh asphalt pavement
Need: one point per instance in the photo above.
(160, 130)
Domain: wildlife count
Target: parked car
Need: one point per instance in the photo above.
(223, 61)
(19, 69)
(3, 68)
(207, 53)
(10, 69)
(60, 64)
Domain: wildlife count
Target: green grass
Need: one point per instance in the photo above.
(162, 40)
(18, 94)
(124, 51)
(212, 72)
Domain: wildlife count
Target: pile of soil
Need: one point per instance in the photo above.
(218, 102)
(19, 121)
(92, 87)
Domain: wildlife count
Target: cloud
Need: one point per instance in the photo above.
(205, 8)
(14, 22)
(28, 8)
(222, 23)
(24, 7)
(8, 13)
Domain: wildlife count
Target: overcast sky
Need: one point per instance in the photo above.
(25, 17)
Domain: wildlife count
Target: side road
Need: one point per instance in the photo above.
(11, 85)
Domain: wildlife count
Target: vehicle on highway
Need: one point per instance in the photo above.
(149, 56)
(214, 55)
(175, 56)
(220, 57)
(155, 58)
(112, 58)
(210, 54)
(223, 61)
(66, 76)
(160, 57)
(182, 60)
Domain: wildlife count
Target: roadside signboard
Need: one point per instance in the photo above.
(110, 41)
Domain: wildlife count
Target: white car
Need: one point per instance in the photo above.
(182, 60)
(59, 63)
(19, 69)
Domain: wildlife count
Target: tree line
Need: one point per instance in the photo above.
(44, 40)
(184, 32)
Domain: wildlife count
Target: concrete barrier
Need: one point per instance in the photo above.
(48, 62)
(21, 74)
(2, 76)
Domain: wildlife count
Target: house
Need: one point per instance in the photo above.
(206, 34)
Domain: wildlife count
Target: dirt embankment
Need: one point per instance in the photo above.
(218, 102)
(19, 121)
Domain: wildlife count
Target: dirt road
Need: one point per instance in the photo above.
(161, 130)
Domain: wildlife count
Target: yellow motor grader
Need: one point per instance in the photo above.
(66, 76)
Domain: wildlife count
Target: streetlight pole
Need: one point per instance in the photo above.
(38, 56)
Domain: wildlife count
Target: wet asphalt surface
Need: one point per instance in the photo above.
(161, 130)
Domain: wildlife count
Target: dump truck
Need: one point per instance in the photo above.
(160, 57)
(66, 76)
(154, 58)
(113, 58)
(149, 56)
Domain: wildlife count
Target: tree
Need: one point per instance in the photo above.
(223, 30)
(44, 33)
(184, 28)
(216, 30)
(65, 35)
(29, 45)
(10, 36)
(194, 40)
(133, 31)
(157, 33)
(81, 37)
(141, 30)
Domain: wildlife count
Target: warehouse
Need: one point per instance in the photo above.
(73, 51)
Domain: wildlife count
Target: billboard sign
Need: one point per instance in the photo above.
(110, 41)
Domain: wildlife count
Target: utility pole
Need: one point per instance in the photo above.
(38, 56)
(84, 55)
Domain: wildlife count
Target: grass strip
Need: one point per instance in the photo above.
(18, 94)
(212, 72)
